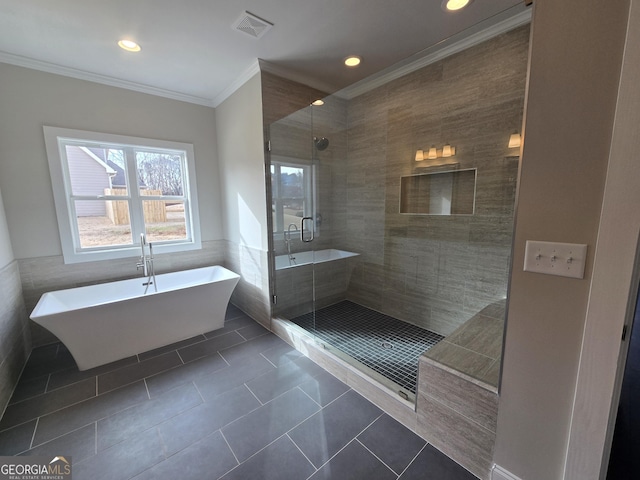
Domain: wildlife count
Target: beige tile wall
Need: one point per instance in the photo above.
(434, 271)
(15, 337)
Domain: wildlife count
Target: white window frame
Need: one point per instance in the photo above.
(310, 193)
(55, 141)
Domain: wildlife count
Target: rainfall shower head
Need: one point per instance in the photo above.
(321, 143)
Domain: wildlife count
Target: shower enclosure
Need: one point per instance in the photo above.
(380, 255)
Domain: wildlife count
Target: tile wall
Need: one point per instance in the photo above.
(15, 336)
(434, 271)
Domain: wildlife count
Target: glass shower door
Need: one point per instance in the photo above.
(292, 169)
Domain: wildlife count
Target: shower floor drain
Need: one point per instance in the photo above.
(385, 344)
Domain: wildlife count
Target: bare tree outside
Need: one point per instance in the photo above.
(160, 171)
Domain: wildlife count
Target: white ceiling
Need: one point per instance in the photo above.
(190, 50)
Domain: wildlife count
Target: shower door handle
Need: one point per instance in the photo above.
(302, 237)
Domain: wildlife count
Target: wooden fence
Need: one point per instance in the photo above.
(118, 212)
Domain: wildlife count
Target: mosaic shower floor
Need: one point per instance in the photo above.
(385, 344)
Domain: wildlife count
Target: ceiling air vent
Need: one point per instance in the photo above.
(252, 25)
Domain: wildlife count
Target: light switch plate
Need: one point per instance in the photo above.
(552, 258)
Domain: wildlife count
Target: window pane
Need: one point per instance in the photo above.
(94, 172)
(103, 223)
(164, 220)
(160, 173)
(292, 194)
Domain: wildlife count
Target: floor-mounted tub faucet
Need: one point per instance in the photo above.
(143, 263)
(146, 263)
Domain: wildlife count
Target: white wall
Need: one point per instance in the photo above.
(32, 99)
(241, 154)
(241, 157)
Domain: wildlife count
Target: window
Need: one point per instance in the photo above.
(292, 188)
(110, 189)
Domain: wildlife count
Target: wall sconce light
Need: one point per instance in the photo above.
(514, 140)
(433, 153)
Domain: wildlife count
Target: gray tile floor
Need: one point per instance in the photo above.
(236, 403)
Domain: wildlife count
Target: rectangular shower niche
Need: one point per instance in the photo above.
(451, 192)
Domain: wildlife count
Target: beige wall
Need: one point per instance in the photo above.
(615, 279)
(6, 252)
(36, 99)
(15, 341)
(241, 155)
(39, 98)
(575, 61)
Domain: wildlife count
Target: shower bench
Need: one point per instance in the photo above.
(457, 397)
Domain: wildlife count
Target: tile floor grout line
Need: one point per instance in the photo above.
(146, 387)
(414, 458)
(376, 456)
(230, 449)
(33, 436)
(223, 359)
(46, 387)
(300, 450)
(198, 390)
(336, 454)
(56, 438)
(180, 357)
(341, 395)
(310, 398)
(42, 394)
(256, 397)
(263, 356)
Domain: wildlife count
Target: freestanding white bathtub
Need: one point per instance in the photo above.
(107, 322)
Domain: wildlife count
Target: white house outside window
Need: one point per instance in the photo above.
(109, 189)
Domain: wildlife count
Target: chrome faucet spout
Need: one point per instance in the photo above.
(287, 240)
(143, 263)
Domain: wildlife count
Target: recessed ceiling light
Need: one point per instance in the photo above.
(318, 103)
(454, 5)
(129, 45)
(352, 61)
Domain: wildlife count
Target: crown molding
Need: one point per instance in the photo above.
(450, 46)
(237, 83)
(20, 61)
(446, 48)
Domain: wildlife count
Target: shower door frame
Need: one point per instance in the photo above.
(308, 216)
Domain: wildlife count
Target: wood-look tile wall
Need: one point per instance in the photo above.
(434, 271)
(457, 416)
